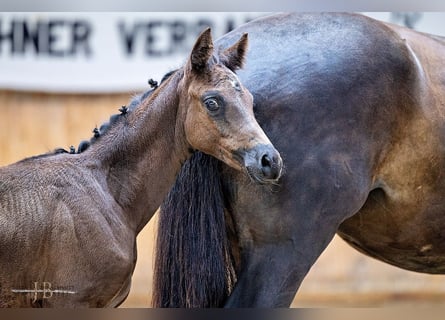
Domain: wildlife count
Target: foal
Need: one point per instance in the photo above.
(68, 222)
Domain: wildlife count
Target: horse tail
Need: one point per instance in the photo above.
(193, 263)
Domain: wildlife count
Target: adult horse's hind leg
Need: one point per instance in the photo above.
(281, 234)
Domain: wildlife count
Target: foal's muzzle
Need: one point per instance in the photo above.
(263, 163)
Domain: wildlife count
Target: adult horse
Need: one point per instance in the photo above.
(356, 108)
(68, 222)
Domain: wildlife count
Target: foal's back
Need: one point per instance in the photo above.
(56, 206)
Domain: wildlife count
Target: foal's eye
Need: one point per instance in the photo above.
(211, 104)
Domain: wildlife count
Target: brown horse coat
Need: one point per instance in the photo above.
(68, 222)
(356, 108)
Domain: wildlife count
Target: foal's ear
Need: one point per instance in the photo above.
(233, 57)
(202, 52)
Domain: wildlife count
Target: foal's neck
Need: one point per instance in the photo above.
(142, 154)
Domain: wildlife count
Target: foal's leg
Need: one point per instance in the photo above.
(281, 234)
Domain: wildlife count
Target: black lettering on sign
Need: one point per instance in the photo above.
(163, 37)
(230, 25)
(128, 36)
(6, 35)
(53, 32)
(151, 41)
(158, 38)
(80, 36)
(30, 39)
(178, 34)
(53, 37)
(201, 25)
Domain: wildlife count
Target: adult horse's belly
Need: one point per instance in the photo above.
(403, 219)
(381, 230)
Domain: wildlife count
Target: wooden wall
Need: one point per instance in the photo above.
(33, 123)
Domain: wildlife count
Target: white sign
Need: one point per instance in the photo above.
(119, 52)
(100, 52)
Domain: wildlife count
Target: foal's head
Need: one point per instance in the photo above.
(218, 111)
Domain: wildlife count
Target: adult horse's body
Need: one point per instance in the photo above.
(356, 107)
(68, 222)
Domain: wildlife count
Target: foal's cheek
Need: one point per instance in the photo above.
(202, 132)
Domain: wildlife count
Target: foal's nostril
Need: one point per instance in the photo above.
(268, 168)
(265, 161)
(270, 165)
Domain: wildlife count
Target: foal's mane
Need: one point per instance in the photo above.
(105, 127)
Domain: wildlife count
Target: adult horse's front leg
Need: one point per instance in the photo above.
(281, 234)
(270, 277)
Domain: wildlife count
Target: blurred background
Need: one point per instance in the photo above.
(62, 74)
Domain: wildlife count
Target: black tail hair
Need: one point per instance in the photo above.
(193, 267)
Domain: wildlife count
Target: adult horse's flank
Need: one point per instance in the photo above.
(356, 108)
(68, 222)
